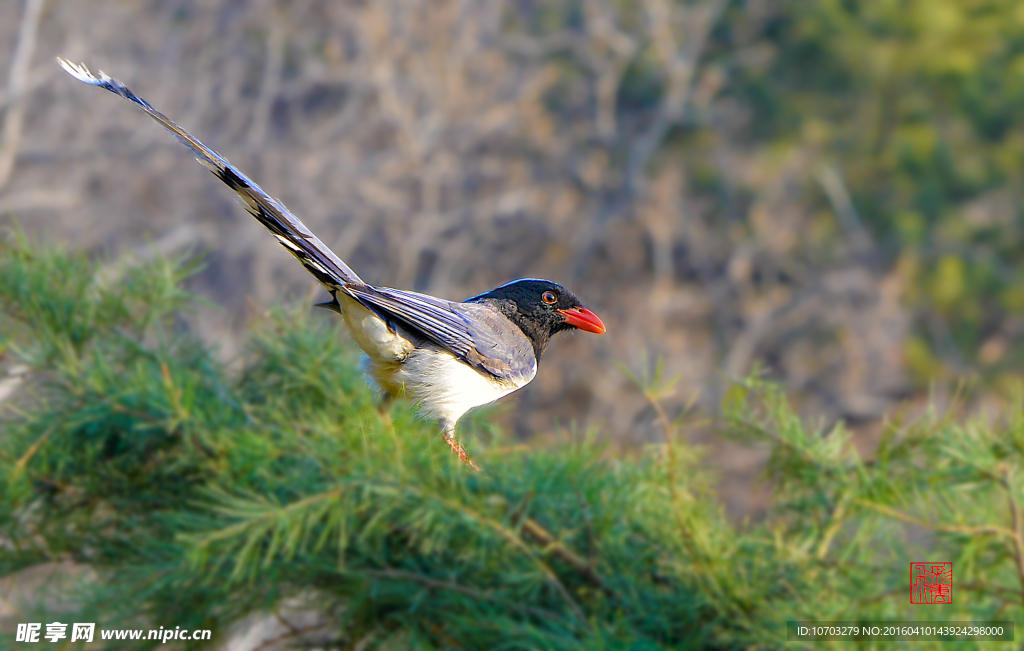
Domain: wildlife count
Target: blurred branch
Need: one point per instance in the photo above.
(16, 79)
(291, 633)
(518, 543)
(533, 529)
(832, 183)
(39, 199)
(837, 516)
(761, 326)
(621, 48)
(989, 530)
(271, 80)
(1006, 481)
(12, 380)
(38, 77)
(679, 62)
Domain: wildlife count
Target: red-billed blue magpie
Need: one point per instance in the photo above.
(447, 356)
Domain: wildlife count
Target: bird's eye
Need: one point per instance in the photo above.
(549, 298)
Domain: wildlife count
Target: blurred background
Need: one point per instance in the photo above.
(824, 189)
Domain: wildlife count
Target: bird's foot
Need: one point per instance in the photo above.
(449, 438)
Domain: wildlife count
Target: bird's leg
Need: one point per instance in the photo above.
(453, 443)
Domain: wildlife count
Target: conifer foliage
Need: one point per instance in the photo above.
(198, 493)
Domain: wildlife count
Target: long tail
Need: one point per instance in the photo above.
(286, 227)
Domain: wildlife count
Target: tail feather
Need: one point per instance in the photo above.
(319, 260)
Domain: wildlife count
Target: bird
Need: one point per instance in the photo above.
(446, 356)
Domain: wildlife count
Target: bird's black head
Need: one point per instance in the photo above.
(541, 308)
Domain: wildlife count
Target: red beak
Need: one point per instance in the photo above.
(583, 319)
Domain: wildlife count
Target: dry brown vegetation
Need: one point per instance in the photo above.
(449, 146)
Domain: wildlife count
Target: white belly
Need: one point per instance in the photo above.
(445, 388)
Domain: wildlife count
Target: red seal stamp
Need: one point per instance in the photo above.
(931, 583)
